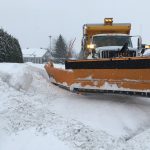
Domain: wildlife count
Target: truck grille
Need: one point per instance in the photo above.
(113, 54)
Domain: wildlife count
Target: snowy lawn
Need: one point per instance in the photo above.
(34, 114)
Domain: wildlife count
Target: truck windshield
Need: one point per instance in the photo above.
(101, 41)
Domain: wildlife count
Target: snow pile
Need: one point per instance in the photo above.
(35, 114)
(17, 76)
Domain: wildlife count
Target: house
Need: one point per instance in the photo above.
(35, 55)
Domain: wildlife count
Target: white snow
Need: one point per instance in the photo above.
(35, 114)
(61, 66)
(105, 86)
(28, 139)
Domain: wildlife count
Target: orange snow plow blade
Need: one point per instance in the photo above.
(129, 76)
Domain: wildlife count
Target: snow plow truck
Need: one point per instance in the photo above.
(111, 61)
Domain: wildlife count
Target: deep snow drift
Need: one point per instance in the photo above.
(34, 114)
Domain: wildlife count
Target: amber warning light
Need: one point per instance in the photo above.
(108, 21)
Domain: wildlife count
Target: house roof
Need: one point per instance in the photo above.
(33, 52)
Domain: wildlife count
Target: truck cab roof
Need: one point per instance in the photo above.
(112, 34)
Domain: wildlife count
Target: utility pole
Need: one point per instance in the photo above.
(50, 47)
(50, 37)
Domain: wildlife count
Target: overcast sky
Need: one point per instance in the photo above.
(32, 21)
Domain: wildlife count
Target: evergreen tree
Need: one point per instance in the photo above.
(10, 50)
(60, 50)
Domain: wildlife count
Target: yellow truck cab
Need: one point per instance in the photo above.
(109, 40)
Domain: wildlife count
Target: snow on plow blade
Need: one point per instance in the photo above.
(130, 76)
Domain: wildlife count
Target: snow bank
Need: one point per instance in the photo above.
(16, 76)
(34, 111)
(20, 76)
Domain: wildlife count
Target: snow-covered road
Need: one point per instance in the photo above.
(34, 114)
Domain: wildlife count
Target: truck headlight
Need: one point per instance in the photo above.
(91, 46)
(147, 46)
